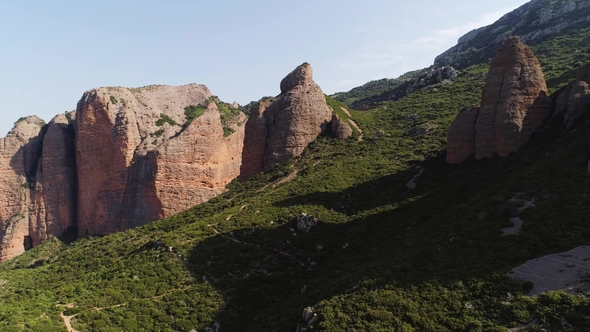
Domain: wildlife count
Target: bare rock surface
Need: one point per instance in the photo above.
(19, 154)
(138, 160)
(514, 105)
(461, 135)
(291, 121)
(567, 271)
(514, 102)
(53, 196)
(340, 128)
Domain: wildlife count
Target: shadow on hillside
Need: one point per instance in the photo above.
(366, 196)
(267, 276)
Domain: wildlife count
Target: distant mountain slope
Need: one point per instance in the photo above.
(373, 88)
(534, 22)
(557, 30)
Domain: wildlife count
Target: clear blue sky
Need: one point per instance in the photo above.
(53, 51)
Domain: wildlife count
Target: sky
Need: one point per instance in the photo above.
(53, 51)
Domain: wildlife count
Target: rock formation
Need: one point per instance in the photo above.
(281, 128)
(461, 135)
(340, 128)
(19, 152)
(53, 198)
(514, 104)
(137, 162)
(127, 157)
(38, 182)
(574, 101)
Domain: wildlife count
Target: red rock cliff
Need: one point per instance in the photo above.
(38, 183)
(514, 104)
(283, 129)
(137, 162)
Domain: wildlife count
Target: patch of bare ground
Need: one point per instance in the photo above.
(568, 271)
(68, 319)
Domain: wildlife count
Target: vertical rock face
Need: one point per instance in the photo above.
(256, 134)
(138, 159)
(38, 183)
(293, 120)
(461, 135)
(53, 198)
(514, 101)
(196, 165)
(514, 104)
(19, 154)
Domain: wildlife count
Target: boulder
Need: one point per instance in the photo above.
(340, 128)
(574, 100)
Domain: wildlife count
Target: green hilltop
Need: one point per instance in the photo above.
(382, 257)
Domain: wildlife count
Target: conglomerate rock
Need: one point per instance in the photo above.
(291, 121)
(138, 160)
(514, 104)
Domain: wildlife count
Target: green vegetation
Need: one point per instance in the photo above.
(192, 112)
(373, 88)
(382, 257)
(114, 100)
(68, 116)
(337, 108)
(157, 133)
(165, 119)
(227, 131)
(561, 57)
(386, 260)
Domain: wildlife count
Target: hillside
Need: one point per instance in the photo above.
(401, 240)
(557, 31)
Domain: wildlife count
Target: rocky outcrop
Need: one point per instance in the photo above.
(19, 154)
(514, 104)
(127, 157)
(461, 135)
(574, 101)
(256, 134)
(340, 128)
(196, 165)
(139, 160)
(53, 195)
(38, 182)
(292, 120)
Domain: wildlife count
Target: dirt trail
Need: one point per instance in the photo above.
(517, 222)
(68, 321)
(353, 123)
(412, 183)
